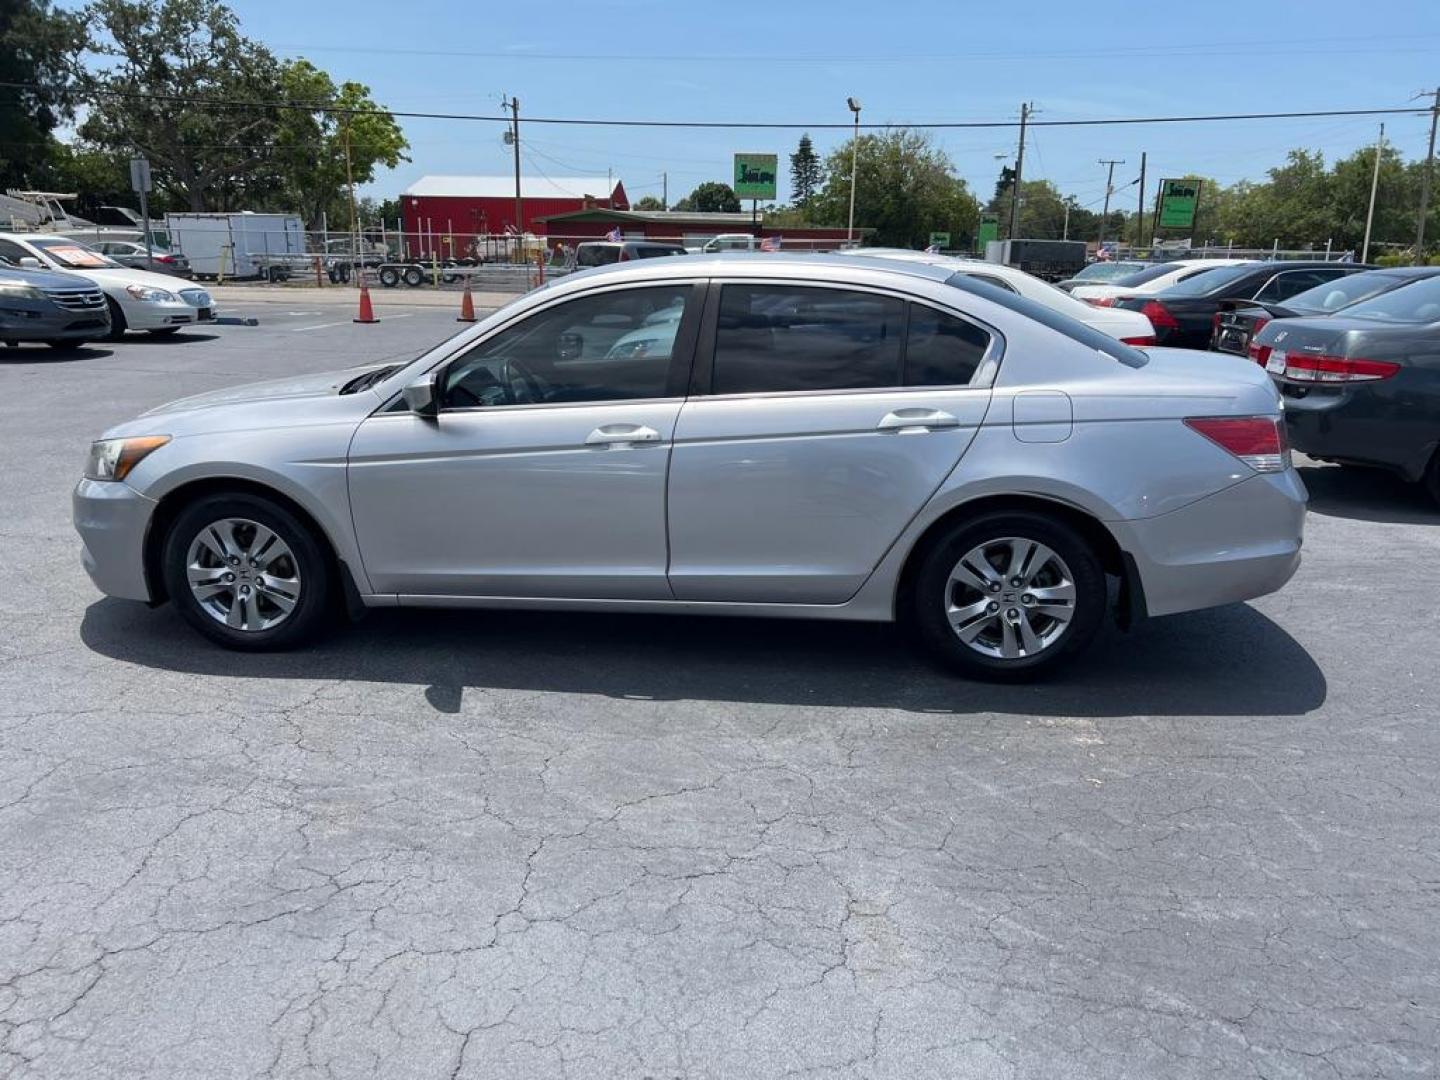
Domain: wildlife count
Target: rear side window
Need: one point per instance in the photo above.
(1417, 303)
(655, 251)
(596, 255)
(942, 350)
(775, 338)
(1150, 273)
(1334, 295)
(1293, 282)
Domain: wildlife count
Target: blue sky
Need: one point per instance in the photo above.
(908, 62)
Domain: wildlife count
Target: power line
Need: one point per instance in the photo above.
(328, 107)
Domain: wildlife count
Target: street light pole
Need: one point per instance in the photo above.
(1109, 190)
(854, 167)
(1374, 187)
(1425, 181)
(1019, 172)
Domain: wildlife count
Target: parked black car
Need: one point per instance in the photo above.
(1183, 315)
(58, 309)
(132, 254)
(1238, 323)
(1363, 387)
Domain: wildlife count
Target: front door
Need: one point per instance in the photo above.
(832, 417)
(544, 474)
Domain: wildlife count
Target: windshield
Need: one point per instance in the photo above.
(1210, 281)
(1150, 273)
(1344, 291)
(1415, 303)
(1107, 271)
(73, 255)
(1047, 316)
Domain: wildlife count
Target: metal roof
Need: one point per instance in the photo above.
(503, 187)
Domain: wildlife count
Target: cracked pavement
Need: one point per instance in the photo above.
(449, 844)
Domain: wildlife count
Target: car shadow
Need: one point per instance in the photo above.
(30, 353)
(178, 338)
(1367, 495)
(1230, 661)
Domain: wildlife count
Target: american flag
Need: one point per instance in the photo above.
(615, 235)
(771, 243)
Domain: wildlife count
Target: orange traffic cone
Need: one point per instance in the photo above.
(367, 313)
(467, 305)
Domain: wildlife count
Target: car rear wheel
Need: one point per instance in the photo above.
(1007, 596)
(247, 574)
(413, 276)
(389, 277)
(118, 325)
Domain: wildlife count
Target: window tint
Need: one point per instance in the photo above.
(1292, 282)
(597, 254)
(941, 350)
(612, 346)
(12, 252)
(782, 337)
(1211, 281)
(656, 251)
(1150, 273)
(1097, 272)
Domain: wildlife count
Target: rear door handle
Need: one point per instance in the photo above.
(916, 420)
(622, 435)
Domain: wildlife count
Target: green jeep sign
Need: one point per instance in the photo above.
(755, 175)
(1179, 200)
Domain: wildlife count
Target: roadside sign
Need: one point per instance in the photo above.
(989, 230)
(940, 239)
(1179, 201)
(755, 175)
(139, 175)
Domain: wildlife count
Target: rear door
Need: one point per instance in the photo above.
(821, 421)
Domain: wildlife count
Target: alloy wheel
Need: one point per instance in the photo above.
(1010, 598)
(243, 575)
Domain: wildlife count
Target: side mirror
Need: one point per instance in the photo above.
(30, 262)
(422, 396)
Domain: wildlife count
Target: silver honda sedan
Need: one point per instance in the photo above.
(771, 435)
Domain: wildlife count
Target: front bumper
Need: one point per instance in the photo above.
(144, 315)
(112, 519)
(40, 320)
(1237, 544)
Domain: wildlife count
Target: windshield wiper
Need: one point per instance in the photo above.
(369, 379)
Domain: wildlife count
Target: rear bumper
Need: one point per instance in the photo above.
(112, 520)
(1359, 424)
(1237, 544)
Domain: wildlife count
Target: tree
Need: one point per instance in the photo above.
(905, 190)
(98, 177)
(711, 197)
(806, 173)
(649, 202)
(159, 62)
(308, 159)
(35, 43)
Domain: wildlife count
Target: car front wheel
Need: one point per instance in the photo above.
(247, 574)
(1007, 596)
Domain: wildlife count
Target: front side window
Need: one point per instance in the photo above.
(1293, 282)
(777, 338)
(611, 346)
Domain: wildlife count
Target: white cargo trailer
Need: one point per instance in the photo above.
(243, 245)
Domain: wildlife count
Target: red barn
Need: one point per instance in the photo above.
(443, 214)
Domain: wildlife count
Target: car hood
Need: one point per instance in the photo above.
(124, 276)
(39, 279)
(319, 385)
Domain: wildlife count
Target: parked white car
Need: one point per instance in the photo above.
(1128, 326)
(1151, 280)
(138, 299)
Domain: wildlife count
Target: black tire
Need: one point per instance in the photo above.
(389, 277)
(413, 276)
(118, 325)
(923, 610)
(313, 612)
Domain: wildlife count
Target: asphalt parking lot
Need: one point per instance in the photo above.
(451, 844)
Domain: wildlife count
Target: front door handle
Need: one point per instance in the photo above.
(622, 435)
(916, 420)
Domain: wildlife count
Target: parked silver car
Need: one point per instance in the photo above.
(811, 437)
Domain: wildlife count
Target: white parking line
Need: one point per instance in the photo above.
(318, 326)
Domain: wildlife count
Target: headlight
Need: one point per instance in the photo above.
(113, 459)
(18, 290)
(154, 296)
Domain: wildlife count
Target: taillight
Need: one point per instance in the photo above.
(1259, 353)
(1103, 301)
(1215, 324)
(1148, 339)
(1336, 369)
(1159, 315)
(1259, 441)
(164, 258)
(1258, 324)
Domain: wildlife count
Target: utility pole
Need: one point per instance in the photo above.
(1065, 229)
(854, 107)
(1374, 187)
(1109, 190)
(664, 191)
(1425, 181)
(1140, 207)
(514, 106)
(355, 268)
(1019, 172)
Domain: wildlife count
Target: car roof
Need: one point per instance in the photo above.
(753, 264)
